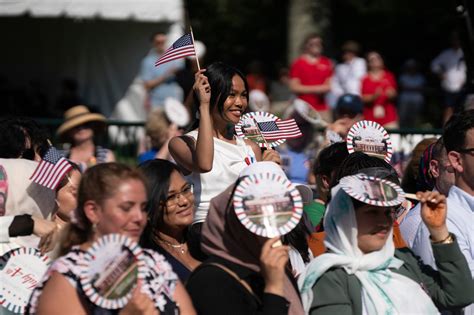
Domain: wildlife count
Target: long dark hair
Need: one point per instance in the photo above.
(220, 77)
(157, 173)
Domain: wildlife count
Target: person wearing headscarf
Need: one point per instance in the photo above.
(248, 272)
(363, 273)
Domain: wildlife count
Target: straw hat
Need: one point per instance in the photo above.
(80, 115)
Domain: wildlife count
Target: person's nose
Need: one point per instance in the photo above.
(183, 200)
(138, 215)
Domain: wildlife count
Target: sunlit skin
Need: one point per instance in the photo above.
(374, 223)
(235, 104)
(463, 164)
(123, 213)
(179, 215)
(66, 197)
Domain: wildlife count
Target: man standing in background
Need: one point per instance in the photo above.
(160, 82)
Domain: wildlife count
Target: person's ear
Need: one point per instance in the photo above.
(434, 168)
(326, 182)
(455, 161)
(91, 210)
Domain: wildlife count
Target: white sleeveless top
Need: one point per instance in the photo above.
(229, 161)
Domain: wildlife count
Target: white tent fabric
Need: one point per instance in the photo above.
(140, 10)
(85, 40)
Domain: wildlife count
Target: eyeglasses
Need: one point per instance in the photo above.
(173, 199)
(467, 150)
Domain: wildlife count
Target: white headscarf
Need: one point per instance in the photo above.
(383, 291)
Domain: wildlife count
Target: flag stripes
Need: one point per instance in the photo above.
(279, 129)
(182, 47)
(51, 170)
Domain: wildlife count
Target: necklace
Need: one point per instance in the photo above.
(178, 247)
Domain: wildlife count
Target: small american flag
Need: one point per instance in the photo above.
(279, 129)
(181, 48)
(51, 170)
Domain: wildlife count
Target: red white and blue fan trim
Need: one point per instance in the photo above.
(21, 270)
(248, 186)
(372, 190)
(376, 139)
(248, 120)
(91, 262)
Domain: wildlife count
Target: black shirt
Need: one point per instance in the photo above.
(214, 291)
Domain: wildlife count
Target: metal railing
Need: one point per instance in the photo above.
(123, 137)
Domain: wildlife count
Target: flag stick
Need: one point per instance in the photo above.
(195, 52)
(260, 132)
(411, 196)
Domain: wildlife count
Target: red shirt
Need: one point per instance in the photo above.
(369, 86)
(312, 74)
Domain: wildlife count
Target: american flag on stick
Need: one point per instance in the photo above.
(51, 170)
(279, 129)
(183, 47)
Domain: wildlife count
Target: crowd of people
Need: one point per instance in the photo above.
(373, 252)
(393, 101)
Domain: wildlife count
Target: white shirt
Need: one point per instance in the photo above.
(409, 225)
(229, 161)
(460, 222)
(451, 64)
(347, 77)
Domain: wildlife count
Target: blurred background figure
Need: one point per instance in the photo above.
(22, 138)
(310, 75)
(280, 93)
(411, 172)
(258, 101)
(159, 131)
(379, 90)
(450, 67)
(348, 73)
(256, 78)
(411, 99)
(327, 162)
(78, 131)
(296, 154)
(160, 81)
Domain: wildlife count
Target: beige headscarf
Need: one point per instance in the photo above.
(224, 236)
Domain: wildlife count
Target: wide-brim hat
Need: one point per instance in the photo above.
(80, 115)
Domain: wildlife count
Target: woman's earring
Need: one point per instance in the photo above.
(198, 115)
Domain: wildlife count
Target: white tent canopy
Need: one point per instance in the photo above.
(139, 10)
(98, 43)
